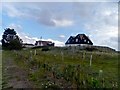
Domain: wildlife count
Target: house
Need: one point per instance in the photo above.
(44, 43)
(80, 39)
(27, 45)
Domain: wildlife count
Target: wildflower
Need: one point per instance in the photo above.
(116, 84)
(100, 71)
(45, 86)
(49, 84)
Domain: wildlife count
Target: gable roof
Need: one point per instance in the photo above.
(44, 43)
(79, 39)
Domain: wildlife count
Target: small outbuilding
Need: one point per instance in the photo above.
(44, 43)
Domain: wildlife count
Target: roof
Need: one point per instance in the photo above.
(43, 43)
(79, 39)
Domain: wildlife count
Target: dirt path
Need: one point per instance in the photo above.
(15, 76)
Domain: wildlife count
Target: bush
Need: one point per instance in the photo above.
(45, 49)
(90, 49)
(15, 45)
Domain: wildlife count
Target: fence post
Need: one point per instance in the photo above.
(84, 55)
(30, 55)
(35, 52)
(62, 55)
(91, 60)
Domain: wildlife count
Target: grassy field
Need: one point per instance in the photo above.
(53, 68)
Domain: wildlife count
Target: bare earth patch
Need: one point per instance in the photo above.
(15, 76)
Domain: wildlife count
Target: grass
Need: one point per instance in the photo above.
(66, 68)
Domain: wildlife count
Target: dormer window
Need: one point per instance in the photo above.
(68, 41)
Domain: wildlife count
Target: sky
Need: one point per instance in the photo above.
(56, 21)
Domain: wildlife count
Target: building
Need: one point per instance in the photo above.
(44, 43)
(80, 39)
(26, 45)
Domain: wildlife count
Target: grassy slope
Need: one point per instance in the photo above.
(0, 47)
(107, 62)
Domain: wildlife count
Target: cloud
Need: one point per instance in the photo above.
(17, 27)
(103, 25)
(11, 10)
(60, 1)
(0, 14)
(43, 13)
(1, 37)
(62, 36)
(45, 18)
(62, 23)
(104, 35)
(51, 18)
(47, 13)
(114, 41)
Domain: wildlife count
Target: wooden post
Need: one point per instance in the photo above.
(84, 55)
(30, 55)
(100, 73)
(72, 51)
(35, 53)
(62, 56)
(90, 60)
(103, 82)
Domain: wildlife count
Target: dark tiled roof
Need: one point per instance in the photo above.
(79, 39)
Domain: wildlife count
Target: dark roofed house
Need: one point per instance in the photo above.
(44, 43)
(80, 39)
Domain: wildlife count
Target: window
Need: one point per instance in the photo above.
(73, 40)
(68, 41)
(76, 40)
(81, 37)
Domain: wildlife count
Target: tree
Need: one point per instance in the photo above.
(10, 40)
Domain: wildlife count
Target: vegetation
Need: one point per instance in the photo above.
(54, 68)
(10, 40)
(0, 47)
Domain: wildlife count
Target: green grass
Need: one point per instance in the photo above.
(69, 70)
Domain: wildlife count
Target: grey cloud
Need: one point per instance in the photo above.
(45, 12)
(45, 17)
(114, 39)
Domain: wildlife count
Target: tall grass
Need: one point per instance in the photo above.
(67, 69)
